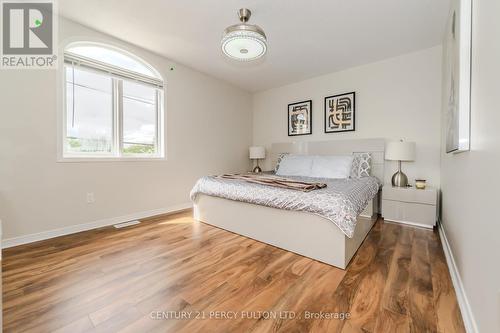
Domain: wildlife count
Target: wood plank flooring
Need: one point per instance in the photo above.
(144, 278)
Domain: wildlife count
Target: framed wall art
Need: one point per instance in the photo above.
(457, 76)
(340, 113)
(300, 118)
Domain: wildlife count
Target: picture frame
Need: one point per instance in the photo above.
(457, 50)
(340, 113)
(299, 118)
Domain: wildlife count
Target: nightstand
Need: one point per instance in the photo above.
(409, 205)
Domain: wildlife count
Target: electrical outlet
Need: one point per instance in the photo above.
(90, 197)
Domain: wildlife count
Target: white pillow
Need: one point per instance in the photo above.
(295, 165)
(338, 166)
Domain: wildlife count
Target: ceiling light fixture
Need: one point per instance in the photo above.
(243, 41)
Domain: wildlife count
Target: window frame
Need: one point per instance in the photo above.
(118, 76)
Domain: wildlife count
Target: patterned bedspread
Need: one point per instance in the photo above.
(340, 202)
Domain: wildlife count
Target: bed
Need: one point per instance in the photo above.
(327, 238)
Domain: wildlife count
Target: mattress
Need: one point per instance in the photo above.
(340, 202)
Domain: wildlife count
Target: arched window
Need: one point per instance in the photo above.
(113, 104)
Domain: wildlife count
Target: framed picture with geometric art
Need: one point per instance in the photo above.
(340, 113)
(299, 118)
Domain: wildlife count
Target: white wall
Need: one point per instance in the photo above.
(208, 130)
(470, 182)
(395, 98)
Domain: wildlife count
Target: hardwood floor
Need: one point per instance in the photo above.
(135, 279)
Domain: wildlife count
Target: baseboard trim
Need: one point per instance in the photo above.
(26, 239)
(463, 302)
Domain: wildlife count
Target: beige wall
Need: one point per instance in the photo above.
(470, 180)
(395, 98)
(208, 130)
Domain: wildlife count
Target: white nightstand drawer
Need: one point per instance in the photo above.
(427, 196)
(412, 213)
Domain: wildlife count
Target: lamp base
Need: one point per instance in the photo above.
(399, 179)
(257, 169)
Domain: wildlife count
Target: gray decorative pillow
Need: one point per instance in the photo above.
(280, 158)
(361, 165)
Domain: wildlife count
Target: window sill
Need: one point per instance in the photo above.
(80, 159)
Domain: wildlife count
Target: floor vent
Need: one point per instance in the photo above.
(126, 224)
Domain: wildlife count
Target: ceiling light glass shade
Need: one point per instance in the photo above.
(244, 42)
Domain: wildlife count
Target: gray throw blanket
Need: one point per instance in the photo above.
(276, 181)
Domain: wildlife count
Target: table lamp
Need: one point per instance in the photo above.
(400, 151)
(257, 153)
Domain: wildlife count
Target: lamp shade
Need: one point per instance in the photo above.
(400, 151)
(257, 152)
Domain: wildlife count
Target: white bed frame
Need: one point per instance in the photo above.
(300, 232)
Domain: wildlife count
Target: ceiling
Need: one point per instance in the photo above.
(305, 38)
